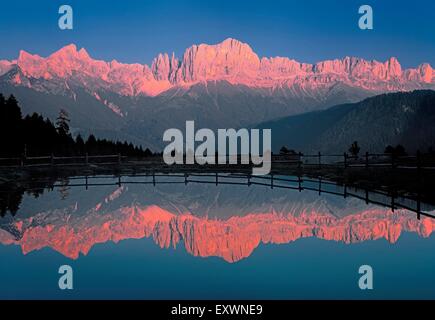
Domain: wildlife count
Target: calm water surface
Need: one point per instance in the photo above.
(202, 241)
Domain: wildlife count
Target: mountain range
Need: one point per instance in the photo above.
(219, 86)
(404, 118)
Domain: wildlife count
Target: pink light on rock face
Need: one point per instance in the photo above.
(5, 66)
(230, 60)
(232, 239)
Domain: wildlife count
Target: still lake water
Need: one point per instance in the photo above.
(206, 241)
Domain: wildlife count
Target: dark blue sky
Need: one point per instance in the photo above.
(308, 30)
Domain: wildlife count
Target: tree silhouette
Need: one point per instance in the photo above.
(10, 126)
(40, 137)
(80, 145)
(62, 122)
(284, 150)
(399, 150)
(354, 149)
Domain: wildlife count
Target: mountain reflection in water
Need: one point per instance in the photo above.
(227, 221)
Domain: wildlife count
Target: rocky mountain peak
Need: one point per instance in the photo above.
(232, 61)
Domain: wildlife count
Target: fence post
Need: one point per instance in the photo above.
(418, 161)
(271, 181)
(392, 201)
(392, 160)
(320, 186)
(345, 159)
(86, 158)
(52, 159)
(320, 160)
(24, 155)
(367, 159)
(119, 158)
(300, 160)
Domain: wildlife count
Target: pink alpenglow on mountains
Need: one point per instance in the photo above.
(232, 239)
(230, 60)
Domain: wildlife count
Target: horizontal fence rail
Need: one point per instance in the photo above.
(52, 160)
(300, 160)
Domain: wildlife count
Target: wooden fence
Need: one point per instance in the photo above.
(383, 198)
(319, 160)
(367, 160)
(53, 160)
